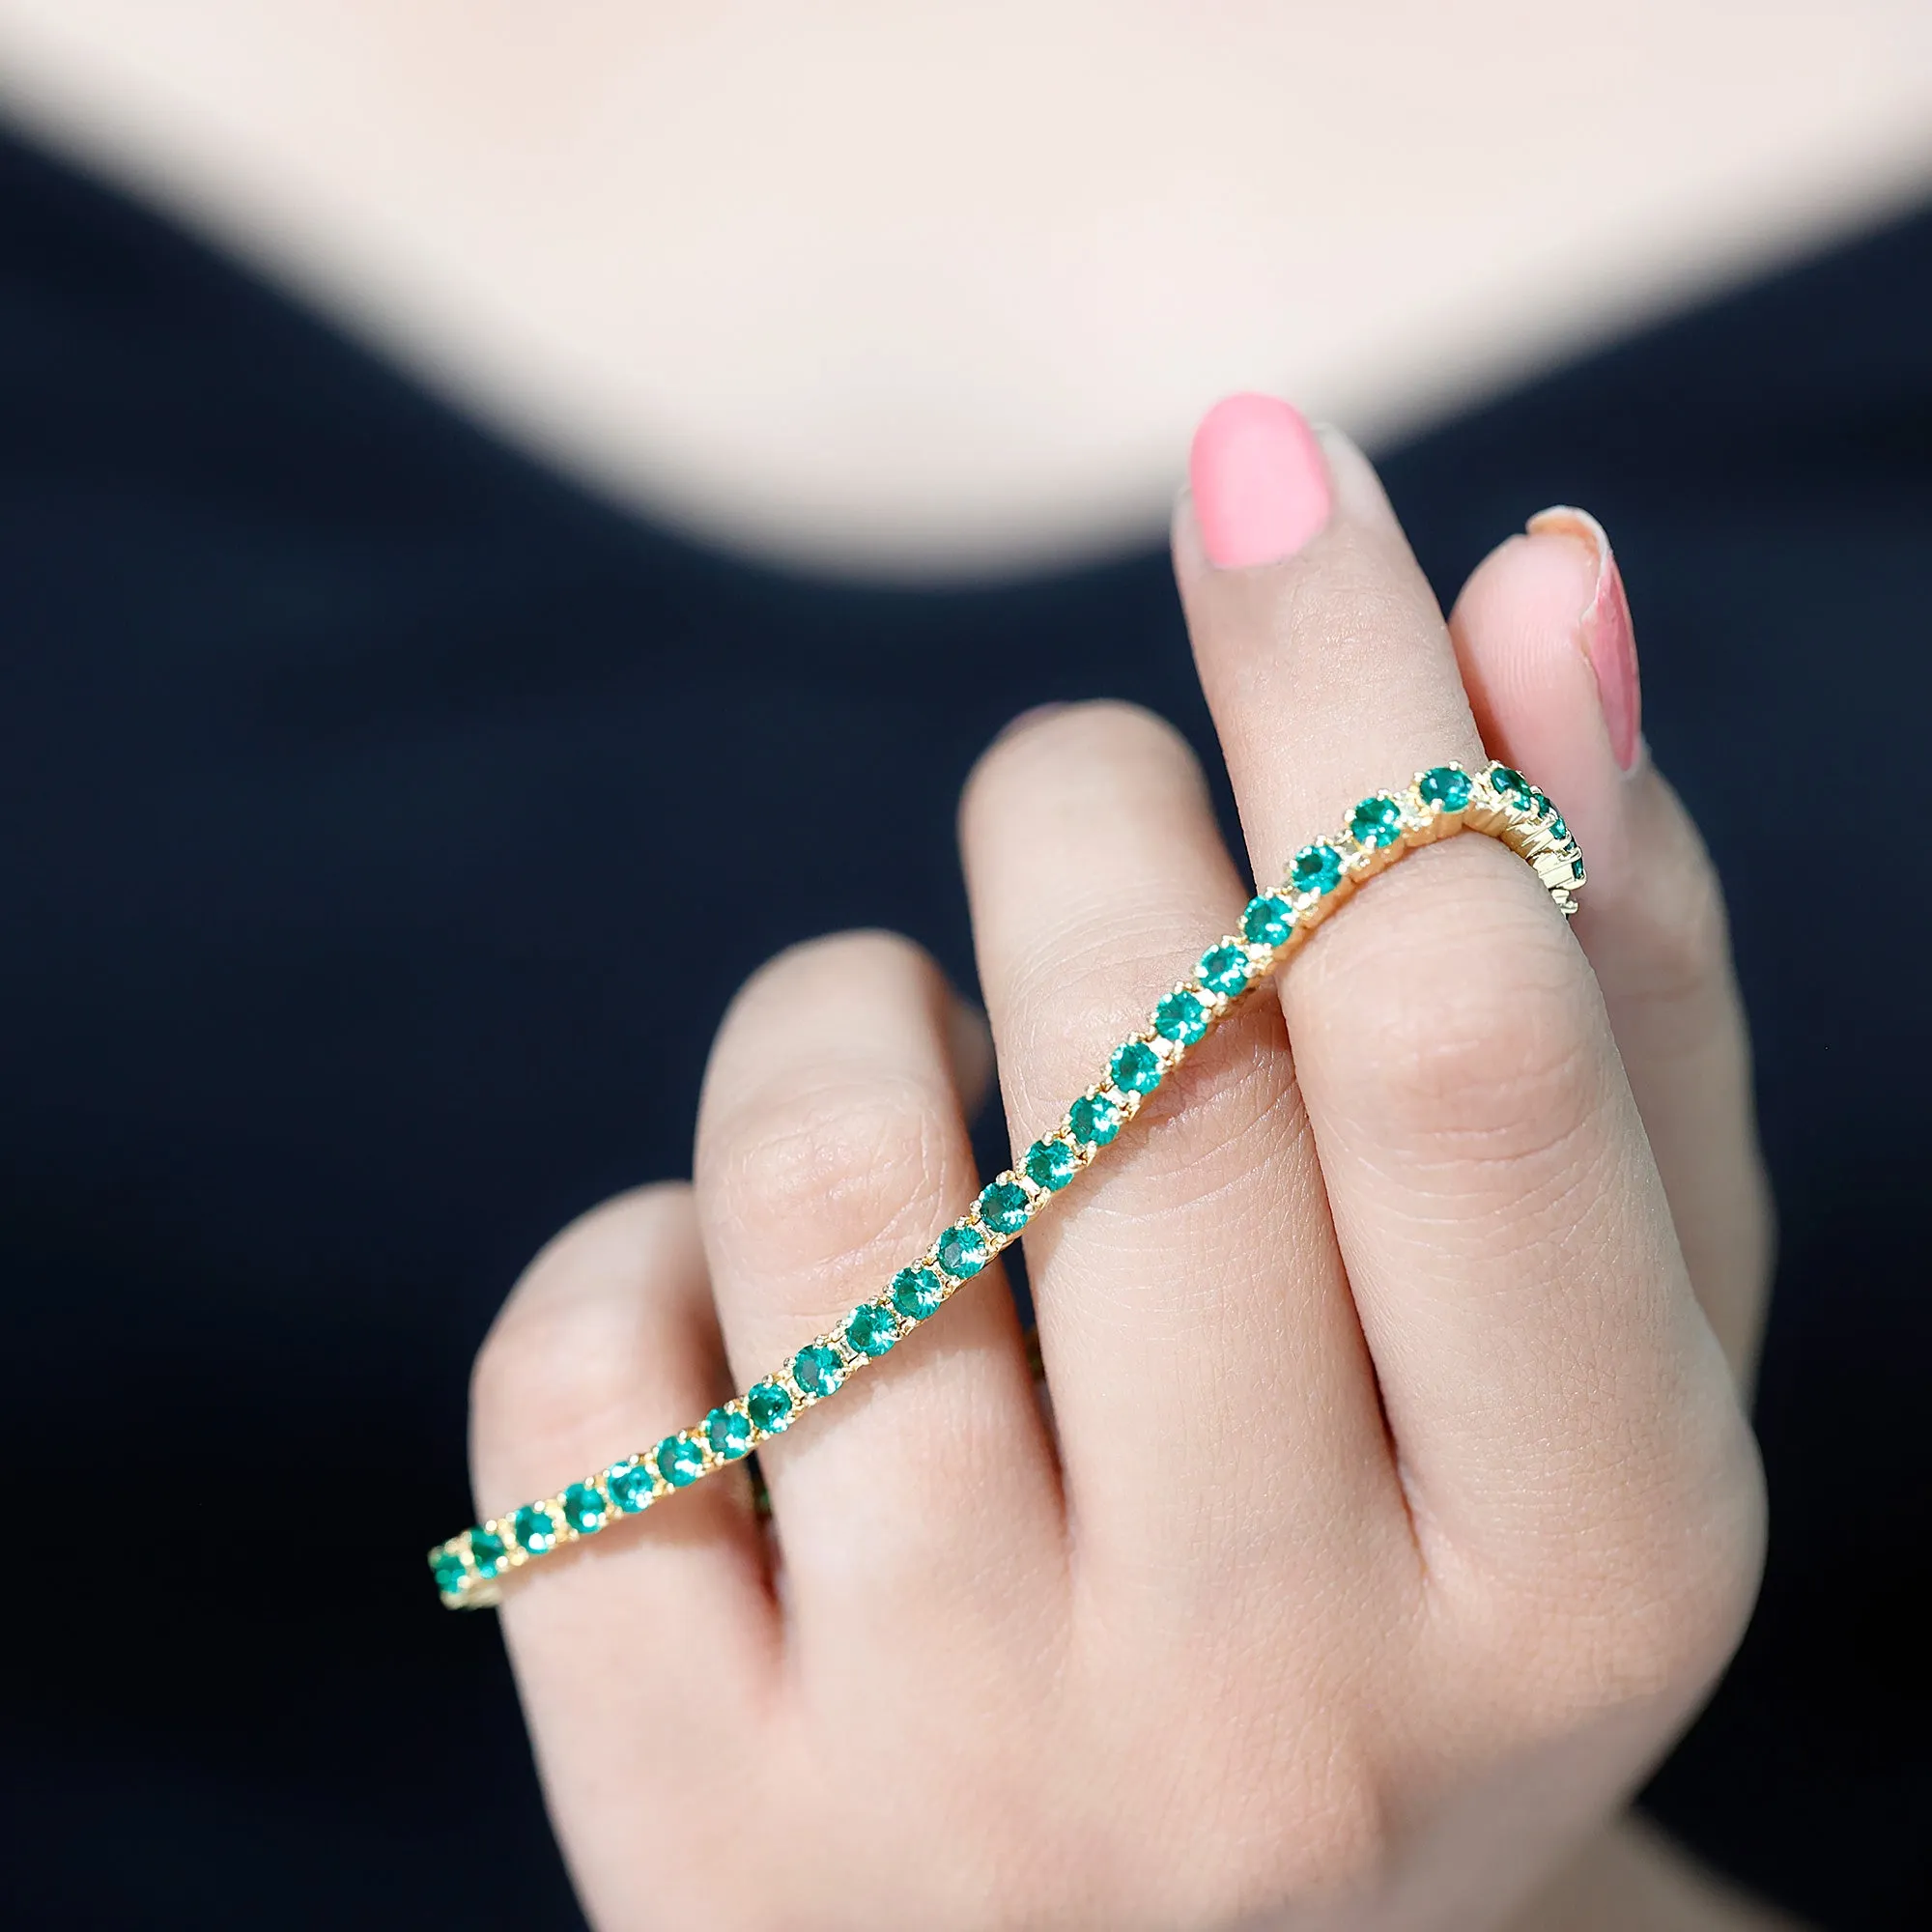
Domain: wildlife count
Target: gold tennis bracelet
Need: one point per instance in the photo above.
(1443, 801)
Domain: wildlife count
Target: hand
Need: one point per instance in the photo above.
(1398, 1506)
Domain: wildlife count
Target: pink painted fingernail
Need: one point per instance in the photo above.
(1610, 639)
(1260, 488)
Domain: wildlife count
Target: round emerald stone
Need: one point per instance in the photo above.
(535, 1529)
(1576, 868)
(1051, 1164)
(870, 1328)
(1559, 831)
(728, 1433)
(1095, 1119)
(1136, 1068)
(680, 1461)
(1540, 805)
(1180, 1018)
(1315, 868)
(486, 1551)
(770, 1408)
(1267, 920)
(1375, 822)
(817, 1369)
(918, 1292)
(1510, 781)
(629, 1486)
(447, 1568)
(963, 1251)
(1224, 970)
(1445, 785)
(1002, 1207)
(585, 1508)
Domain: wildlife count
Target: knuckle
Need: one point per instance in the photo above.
(1489, 1066)
(546, 1368)
(1646, 1608)
(1051, 747)
(800, 979)
(829, 1171)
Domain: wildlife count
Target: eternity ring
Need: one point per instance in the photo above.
(1443, 801)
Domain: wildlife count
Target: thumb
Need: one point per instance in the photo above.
(1543, 636)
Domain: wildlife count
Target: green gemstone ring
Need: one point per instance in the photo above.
(1443, 801)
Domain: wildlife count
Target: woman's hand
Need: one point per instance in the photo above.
(1397, 1506)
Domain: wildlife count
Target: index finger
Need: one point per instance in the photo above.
(1506, 1238)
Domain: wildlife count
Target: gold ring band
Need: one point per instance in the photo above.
(1442, 801)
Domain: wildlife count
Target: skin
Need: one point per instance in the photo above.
(917, 289)
(1398, 1506)
(992, 352)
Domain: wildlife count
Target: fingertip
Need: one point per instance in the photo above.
(558, 1380)
(1257, 480)
(1515, 627)
(1519, 631)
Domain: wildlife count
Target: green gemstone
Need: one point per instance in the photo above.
(1051, 1164)
(1508, 780)
(728, 1433)
(1267, 922)
(817, 1369)
(870, 1328)
(629, 1486)
(1002, 1207)
(770, 1408)
(1375, 822)
(1540, 805)
(1096, 1119)
(585, 1508)
(1315, 868)
(1576, 868)
(680, 1461)
(486, 1551)
(1444, 785)
(446, 1566)
(1180, 1018)
(918, 1292)
(1136, 1068)
(1224, 970)
(963, 1251)
(1559, 831)
(535, 1529)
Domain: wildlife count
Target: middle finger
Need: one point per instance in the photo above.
(1207, 1373)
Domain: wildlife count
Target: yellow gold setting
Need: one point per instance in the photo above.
(1497, 801)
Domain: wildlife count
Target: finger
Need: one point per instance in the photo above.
(832, 1152)
(608, 1342)
(1505, 1236)
(1549, 655)
(1214, 1397)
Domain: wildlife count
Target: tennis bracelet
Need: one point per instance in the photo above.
(1442, 801)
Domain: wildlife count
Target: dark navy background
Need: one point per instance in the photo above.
(384, 827)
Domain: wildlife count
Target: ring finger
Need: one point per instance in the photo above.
(832, 1151)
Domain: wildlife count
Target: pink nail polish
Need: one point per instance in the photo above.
(1260, 488)
(1610, 639)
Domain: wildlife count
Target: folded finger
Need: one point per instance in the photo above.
(832, 1153)
(1208, 1379)
(656, 1624)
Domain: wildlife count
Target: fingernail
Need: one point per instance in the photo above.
(1610, 639)
(1260, 486)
